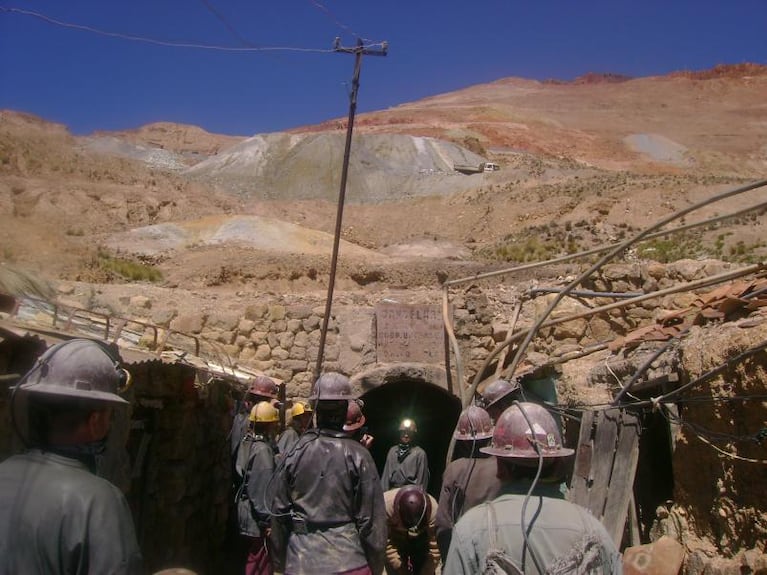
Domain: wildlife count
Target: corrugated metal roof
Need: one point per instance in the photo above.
(54, 324)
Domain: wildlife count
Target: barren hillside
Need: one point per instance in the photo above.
(582, 163)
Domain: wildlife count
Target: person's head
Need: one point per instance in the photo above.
(264, 418)
(407, 431)
(330, 396)
(413, 509)
(71, 392)
(499, 395)
(473, 430)
(301, 416)
(355, 419)
(524, 434)
(261, 388)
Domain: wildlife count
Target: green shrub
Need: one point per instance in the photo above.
(126, 269)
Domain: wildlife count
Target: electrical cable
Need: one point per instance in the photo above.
(695, 431)
(324, 9)
(454, 515)
(232, 30)
(716, 370)
(526, 530)
(169, 43)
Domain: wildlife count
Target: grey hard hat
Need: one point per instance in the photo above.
(78, 368)
(331, 386)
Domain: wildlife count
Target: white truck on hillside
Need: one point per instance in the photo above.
(476, 168)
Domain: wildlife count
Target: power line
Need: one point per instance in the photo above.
(232, 30)
(157, 42)
(325, 10)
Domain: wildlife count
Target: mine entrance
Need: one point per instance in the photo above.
(434, 410)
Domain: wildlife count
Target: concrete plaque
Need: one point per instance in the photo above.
(409, 332)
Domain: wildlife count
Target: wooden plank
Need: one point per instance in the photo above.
(603, 475)
(635, 534)
(621, 483)
(602, 464)
(581, 479)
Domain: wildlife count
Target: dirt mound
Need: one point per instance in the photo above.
(258, 232)
(179, 138)
(306, 166)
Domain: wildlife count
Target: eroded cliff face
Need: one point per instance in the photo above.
(720, 459)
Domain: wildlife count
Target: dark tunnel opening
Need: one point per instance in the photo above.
(434, 410)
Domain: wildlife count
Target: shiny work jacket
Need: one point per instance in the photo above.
(328, 507)
(255, 464)
(57, 517)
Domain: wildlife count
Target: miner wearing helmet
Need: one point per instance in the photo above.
(327, 504)
(300, 418)
(254, 466)
(498, 395)
(261, 388)
(406, 463)
(56, 514)
(412, 544)
(531, 531)
(355, 423)
(471, 478)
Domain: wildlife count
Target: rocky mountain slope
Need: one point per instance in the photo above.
(582, 163)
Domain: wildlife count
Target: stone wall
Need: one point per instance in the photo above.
(279, 334)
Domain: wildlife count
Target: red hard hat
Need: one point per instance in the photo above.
(526, 431)
(413, 507)
(263, 387)
(473, 423)
(354, 416)
(497, 390)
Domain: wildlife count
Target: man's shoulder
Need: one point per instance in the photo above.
(472, 519)
(66, 476)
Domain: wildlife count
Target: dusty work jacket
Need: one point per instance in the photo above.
(403, 550)
(255, 464)
(564, 538)
(412, 469)
(239, 427)
(467, 482)
(287, 440)
(328, 507)
(57, 517)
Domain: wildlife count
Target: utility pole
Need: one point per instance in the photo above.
(359, 50)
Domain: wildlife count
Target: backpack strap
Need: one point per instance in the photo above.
(497, 560)
(492, 527)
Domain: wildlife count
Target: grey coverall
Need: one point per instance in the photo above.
(58, 517)
(328, 507)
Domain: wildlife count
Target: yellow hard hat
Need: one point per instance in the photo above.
(264, 412)
(299, 408)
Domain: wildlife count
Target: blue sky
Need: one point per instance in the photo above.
(91, 81)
